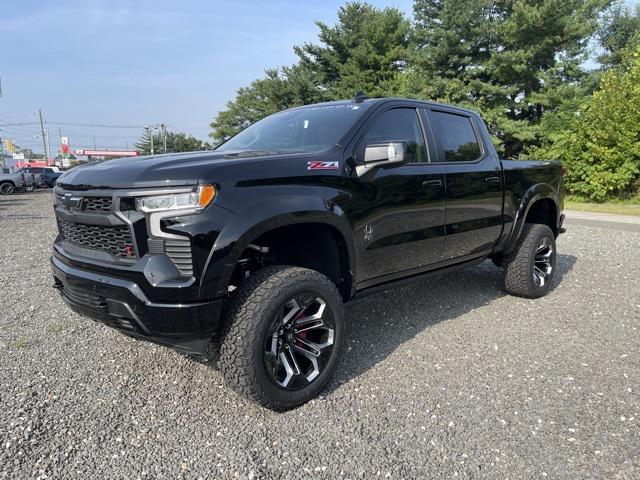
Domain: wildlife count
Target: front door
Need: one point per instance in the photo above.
(399, 209)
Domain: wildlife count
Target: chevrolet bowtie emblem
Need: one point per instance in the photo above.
(69, 201)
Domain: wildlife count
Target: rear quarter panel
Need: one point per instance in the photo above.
(527, 181)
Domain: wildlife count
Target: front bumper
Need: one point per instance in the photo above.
(121, 304)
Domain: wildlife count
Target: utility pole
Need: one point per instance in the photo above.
(164, 137)
(2, 152)
(94, 143)
(149, 128)
(49, 144)
(44, 140)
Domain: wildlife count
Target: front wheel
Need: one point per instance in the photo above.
(7, 188)
(283, 337)
(529, 269)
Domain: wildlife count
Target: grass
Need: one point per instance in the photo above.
(55, 327)
(21, 342)
(629, 206)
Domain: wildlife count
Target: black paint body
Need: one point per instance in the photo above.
(395, 222)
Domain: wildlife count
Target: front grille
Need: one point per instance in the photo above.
(115, 240)
(91, 204)
(100, 204)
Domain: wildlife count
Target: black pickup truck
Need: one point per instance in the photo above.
(257, 244)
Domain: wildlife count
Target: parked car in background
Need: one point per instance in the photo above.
(32, 180)
(14, 182)
(44, 176)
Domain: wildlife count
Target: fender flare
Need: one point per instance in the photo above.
(539, 191)
(263, 216)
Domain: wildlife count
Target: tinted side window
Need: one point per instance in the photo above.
(399, 125)
(457, 138)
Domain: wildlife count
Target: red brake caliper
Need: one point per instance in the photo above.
(302, 335)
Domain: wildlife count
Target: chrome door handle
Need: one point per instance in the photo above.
(492, 179)
(432, 183)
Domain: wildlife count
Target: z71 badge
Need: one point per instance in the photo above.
(322, 165)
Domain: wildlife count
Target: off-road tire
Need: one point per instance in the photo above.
(7, 188)
(519, 279)
(247, 320)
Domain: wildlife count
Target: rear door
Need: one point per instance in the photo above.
(398, 209)
(473, 178)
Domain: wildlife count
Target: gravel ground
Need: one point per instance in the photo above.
(445, 378)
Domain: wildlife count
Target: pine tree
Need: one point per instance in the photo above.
(366, 50)
(280, 89)
(176, 142)
(505, 58)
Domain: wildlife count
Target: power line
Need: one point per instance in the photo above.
(17, 124)
(96, 125)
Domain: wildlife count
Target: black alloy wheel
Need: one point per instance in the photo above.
(6, 188)
(301, 342)
(283, 336)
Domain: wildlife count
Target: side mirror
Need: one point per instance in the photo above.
(383, 154)
(386, 153)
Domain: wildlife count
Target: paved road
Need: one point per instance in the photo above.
(605, 221)
(445, 378)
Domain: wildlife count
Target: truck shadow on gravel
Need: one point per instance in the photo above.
(378, 324)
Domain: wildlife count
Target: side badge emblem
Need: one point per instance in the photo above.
(368, 232)
(323, 165)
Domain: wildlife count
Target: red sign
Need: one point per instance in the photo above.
(33, 163)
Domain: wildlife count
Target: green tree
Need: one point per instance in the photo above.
(366, 50)
(601, 146)
(176, 142)
(512, 60)
(280, 89)
(619, 27)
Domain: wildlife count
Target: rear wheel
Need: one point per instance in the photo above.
(7, 188)
(529, 269)
(283, 338)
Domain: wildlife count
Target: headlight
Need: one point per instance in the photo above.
(195, 201)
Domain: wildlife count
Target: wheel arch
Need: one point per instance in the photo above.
(539, 204)
(256, 222)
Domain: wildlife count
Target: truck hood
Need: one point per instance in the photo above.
(156, 170)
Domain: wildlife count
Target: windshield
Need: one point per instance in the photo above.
(304, 130)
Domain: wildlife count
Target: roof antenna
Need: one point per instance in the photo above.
(359, 97)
